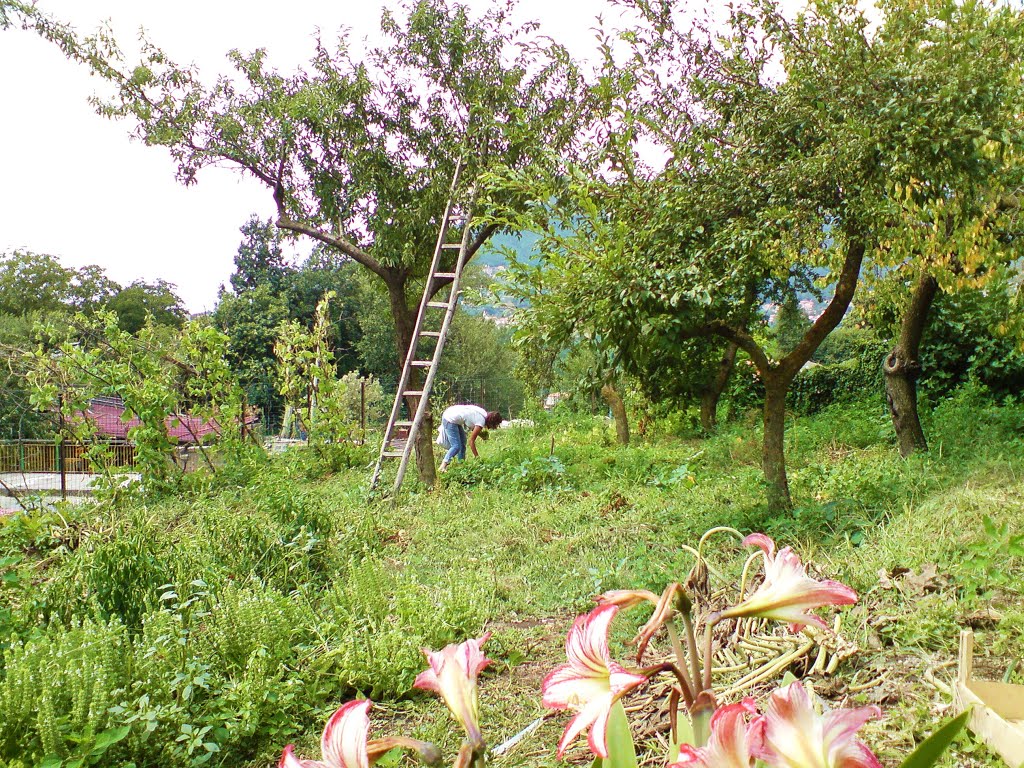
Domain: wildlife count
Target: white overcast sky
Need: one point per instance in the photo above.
(73, 185)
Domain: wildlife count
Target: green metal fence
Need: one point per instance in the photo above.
(38, 456)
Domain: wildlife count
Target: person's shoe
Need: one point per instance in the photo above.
(444, 467)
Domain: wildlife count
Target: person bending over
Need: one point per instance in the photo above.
(456, 421)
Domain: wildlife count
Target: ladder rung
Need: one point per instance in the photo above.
(403, 423)
(451, 246)
(413, 393)
(422, 363)
(449, 275)
(439, 304)
(432, 334)
(393, 454)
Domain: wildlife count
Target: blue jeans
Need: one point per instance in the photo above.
(456, 437)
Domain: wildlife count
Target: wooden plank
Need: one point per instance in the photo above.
(1005, 739)
(993, 706)
(1004, 698)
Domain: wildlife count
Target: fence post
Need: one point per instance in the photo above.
(362, 408)
(60, 468)
(60, 450)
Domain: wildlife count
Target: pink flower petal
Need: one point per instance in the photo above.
(453, 673)
(729, 744)
(289, 760)
(563, 688)
(590, 682)
(627, 598)
(787, 592)
(588, 715)
(760, 540)
(344, 740)
(792, 735)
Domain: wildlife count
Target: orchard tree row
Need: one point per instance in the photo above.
(699, 170)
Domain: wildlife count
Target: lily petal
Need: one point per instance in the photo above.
(453, 673)
(590, 683)
(289, 760)
(792, 735)
(344, 740)
(787, 592)
(627, 598)
(729, 744)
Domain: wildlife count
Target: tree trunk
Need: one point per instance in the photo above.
(405, 322)
(712, 394)
(778, 376)
(614, 401)
(773, 455)
(902, 368)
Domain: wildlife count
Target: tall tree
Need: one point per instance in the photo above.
(260, 258)
(141, 300)
(358, 153)
(36, 282)
(791, 142)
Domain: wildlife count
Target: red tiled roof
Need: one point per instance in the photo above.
(110, 422)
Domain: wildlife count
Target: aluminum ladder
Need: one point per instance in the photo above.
(456, 216)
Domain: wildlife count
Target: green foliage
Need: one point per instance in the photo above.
(326, 407)
(142, 302)
(239, 616)
(232, 621)
(260, 259)
(58, 689)
(158, 375)
(267, 291)
(790, 325)
(819, 385)
(962, 342)
(929, 752)
(251, 320)
(478, 366)
(987, 564)
(830, 165)
(374, 613)
(38, 283)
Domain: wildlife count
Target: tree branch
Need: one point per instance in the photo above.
(356, 254)
(833, 314)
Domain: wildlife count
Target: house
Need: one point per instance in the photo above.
(108, 414)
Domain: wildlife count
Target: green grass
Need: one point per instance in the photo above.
(247, 612)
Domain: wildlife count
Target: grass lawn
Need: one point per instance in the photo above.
(242, 613)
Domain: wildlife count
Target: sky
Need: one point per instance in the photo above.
(72, 183)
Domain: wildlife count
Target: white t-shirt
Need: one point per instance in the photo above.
(466, 416)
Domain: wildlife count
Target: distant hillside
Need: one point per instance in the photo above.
(493, 257)
(523, 244)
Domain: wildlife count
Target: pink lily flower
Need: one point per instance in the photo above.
(787, 592)
(591, 682)
(452, 673)
(792, 735)
(729, 745)
(343, 743)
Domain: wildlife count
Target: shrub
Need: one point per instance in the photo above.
(960, 344)
(851, 371)
(376, 620)
(57, 689)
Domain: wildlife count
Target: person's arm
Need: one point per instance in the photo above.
(472, 440)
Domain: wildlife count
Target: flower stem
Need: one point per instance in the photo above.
(713, 620)
(684, 682)
(691, 642)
